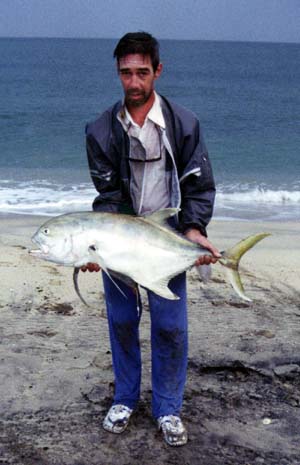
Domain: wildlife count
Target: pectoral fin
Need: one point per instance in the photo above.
(98, 259)
(125, 279)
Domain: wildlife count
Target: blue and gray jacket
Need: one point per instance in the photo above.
(192, 183)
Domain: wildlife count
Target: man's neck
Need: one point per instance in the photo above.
(138, 114)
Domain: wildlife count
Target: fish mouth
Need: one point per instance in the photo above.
(42, 251)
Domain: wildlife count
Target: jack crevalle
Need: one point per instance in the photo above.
(137, 250)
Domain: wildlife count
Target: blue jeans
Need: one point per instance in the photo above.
(169, 343)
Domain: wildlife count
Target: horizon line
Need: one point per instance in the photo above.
(160, 38)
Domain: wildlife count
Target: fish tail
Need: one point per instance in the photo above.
(231, 259)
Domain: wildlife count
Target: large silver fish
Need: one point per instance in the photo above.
(138, 250)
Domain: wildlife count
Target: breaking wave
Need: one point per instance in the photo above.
(278, 197)
(258, 204)
(42, 197)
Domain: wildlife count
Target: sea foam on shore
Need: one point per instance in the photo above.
(43, 197)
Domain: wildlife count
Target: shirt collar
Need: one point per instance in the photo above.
(155, 115)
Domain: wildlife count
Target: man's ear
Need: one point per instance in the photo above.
(158, 71)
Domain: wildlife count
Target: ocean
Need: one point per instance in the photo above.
(246, 95)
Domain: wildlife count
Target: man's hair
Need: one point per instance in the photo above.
(138, 42)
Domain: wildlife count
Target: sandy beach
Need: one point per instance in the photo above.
(243, 392)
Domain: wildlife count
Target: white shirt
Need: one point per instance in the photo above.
(150, 183)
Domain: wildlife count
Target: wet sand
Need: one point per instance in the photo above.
(242, 398)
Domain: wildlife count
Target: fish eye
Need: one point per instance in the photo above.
(46, 231)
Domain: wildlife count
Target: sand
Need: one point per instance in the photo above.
(242, 396)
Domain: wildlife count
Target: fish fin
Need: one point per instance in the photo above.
(231, 259)
(125, 279)
(235, 281)
(161, 288)
(98, 259)
(204, 272)
(75, 281)
(161, 216)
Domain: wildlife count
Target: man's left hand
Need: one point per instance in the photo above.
(195, 235)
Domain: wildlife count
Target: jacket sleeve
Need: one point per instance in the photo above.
(196, 182)
(104, 176)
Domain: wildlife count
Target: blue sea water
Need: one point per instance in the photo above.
(246, 95)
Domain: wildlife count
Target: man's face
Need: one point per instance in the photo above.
(137, 78)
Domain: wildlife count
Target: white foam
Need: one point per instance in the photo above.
(260, 195)
(42, 197)
(258, 204)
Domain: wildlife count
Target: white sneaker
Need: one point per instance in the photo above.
(174, 432)
(117, 418)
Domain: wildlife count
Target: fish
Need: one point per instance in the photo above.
(139, 250)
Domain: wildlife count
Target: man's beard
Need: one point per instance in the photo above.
(137, 102)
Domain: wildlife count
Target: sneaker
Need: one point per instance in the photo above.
(117, 418)
(173, 430)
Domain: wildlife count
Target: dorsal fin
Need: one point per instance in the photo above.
(161, 216)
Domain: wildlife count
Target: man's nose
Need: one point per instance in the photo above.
(135, 81)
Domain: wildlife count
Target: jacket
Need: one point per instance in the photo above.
(192, 185)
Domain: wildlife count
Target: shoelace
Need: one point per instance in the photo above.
(173, 423)
(119, 412)
(119, 409)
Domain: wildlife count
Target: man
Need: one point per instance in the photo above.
(147, 153)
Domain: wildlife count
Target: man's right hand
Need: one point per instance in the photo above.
(90, 267)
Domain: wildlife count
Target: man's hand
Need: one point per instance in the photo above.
(195, 235)
(90, 267)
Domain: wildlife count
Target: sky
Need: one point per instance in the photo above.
(244, 20)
